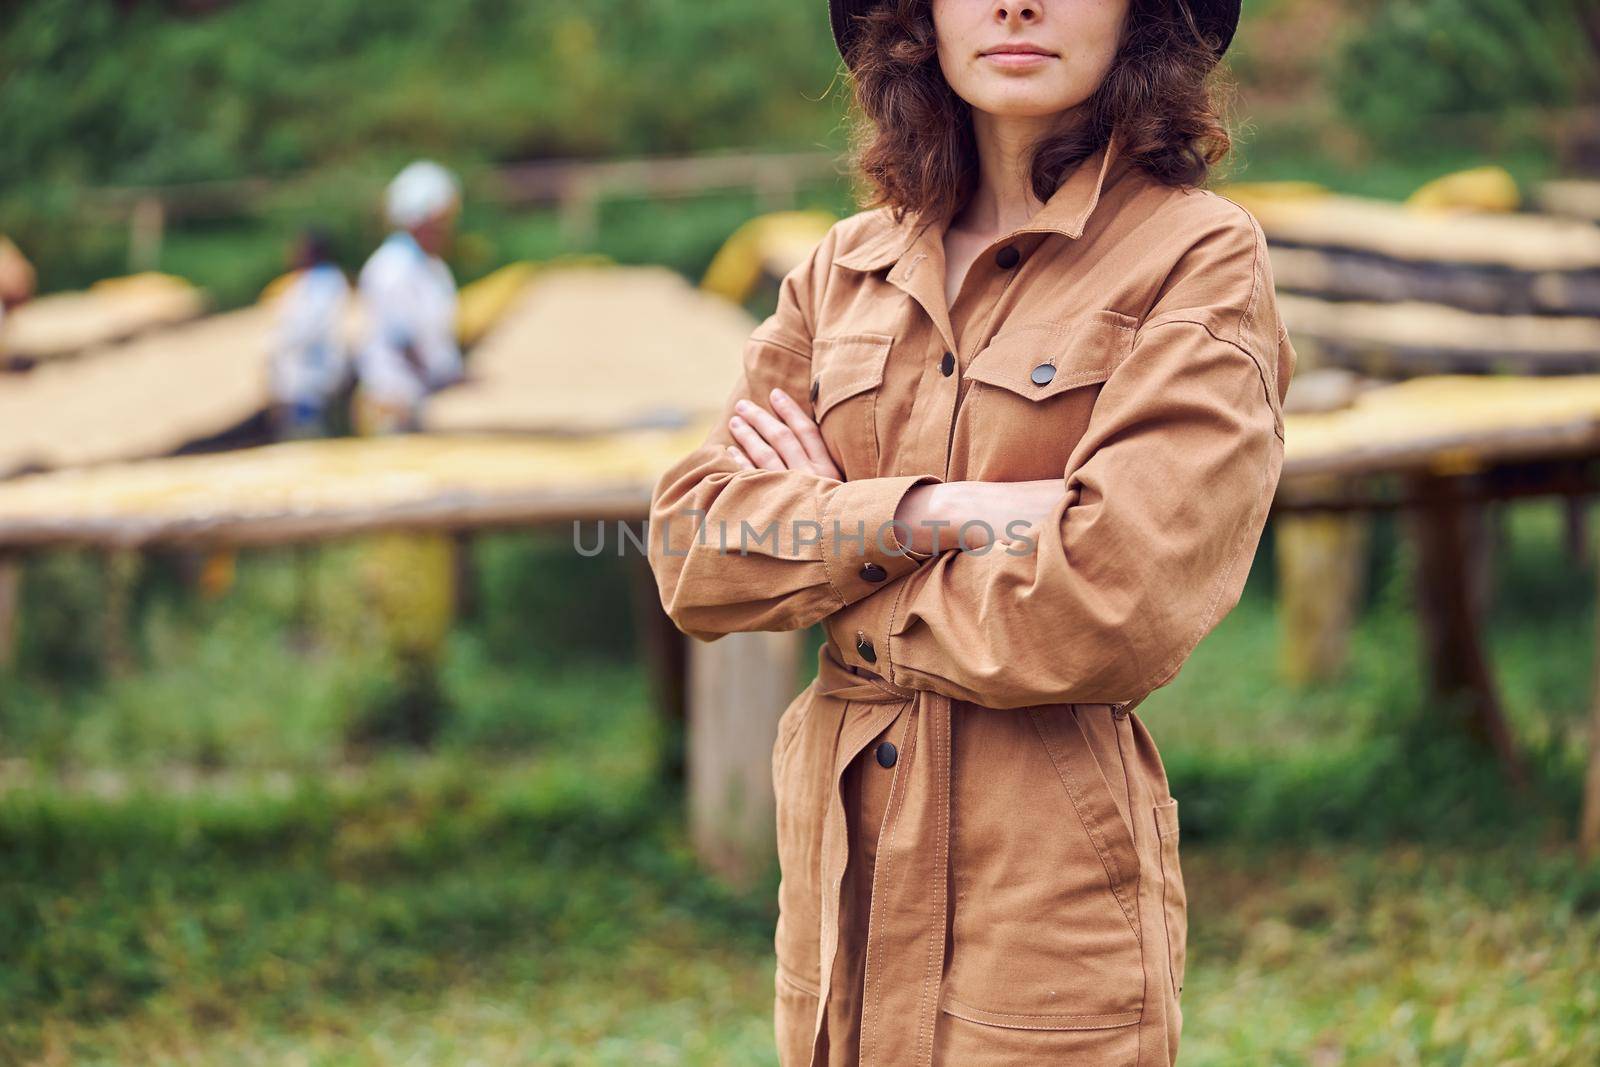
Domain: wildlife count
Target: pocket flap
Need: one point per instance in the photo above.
(1167, 817)
(1042, 358)
(846, 365)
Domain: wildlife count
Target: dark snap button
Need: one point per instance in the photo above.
(874, 573)
(1008, 257)
(865, 650)
(814, 389)
(947, 365)
(1042, 374)
(887, 754)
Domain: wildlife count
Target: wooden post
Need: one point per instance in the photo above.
(578, 212)
(1450, 611)
(464, 560)
(1589, 824)
(777, 188)
(738, 687)
(665, 651)
(146, 229)
(1576, 526)
(121, 575)
(1321, 561)
(10, 607)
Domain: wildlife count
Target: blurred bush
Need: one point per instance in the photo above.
(99, 96)
(335, 94)
(1414, 72)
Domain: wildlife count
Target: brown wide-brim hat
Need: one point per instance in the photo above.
(1218, 18)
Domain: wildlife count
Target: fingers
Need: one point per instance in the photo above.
(804, 429)
(789, 440)
(740, 458)
(776, 436)
(754, 446)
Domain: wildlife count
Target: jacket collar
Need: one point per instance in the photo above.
(1067, 212)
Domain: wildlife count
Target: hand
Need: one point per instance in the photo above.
(789, 440)
(1008, 511)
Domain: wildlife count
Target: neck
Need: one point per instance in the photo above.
(1004, 198)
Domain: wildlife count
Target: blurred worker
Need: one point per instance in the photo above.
(308, 359)
(410, 298)
(409, 579)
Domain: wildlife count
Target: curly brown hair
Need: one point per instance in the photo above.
(912, 139)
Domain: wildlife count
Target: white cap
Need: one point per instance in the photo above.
(418, 193)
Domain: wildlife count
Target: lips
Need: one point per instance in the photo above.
(1017, 50)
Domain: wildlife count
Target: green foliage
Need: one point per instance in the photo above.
(329, 97)
(1415, 65)
(1367, 757)
(101, 96)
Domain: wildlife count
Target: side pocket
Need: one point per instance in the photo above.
(1174, 901)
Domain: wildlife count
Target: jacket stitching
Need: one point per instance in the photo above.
(1259, 240)
(769, 339)
(892, 817)
(1107, 860)
(940, 865)
(953, 1002)
(872, 408)
(1266, 388)
(829, 512)
(1119, 727)
(1255, 276)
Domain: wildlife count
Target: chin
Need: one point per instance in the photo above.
(1023, 102)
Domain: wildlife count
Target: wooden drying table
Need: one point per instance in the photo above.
(310, 491)
(64, 324)
(1353, 248)
(1431, 444)
(1437, 446)
(302, 491)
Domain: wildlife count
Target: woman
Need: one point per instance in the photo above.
(410, 299)
(308, 357)
(1011, 437)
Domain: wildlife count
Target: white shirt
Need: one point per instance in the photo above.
(308, 356)
(410, 299)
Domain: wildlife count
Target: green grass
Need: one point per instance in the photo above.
(1392, 956)
(201, 868)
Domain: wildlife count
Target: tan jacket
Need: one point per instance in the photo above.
(1026, 903)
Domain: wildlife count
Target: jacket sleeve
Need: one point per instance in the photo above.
(1165, 499)
(735, 549)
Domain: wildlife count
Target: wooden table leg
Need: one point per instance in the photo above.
(1321, 563)
(121, 575)
(463, 559)
(1589, 826)
(739, 685)
(10, 607)
(665, 651)
(1451, 616)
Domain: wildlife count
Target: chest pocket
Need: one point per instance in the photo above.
(847, 375)
(1028, 395)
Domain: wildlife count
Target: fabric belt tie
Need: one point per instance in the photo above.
(908, 924)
